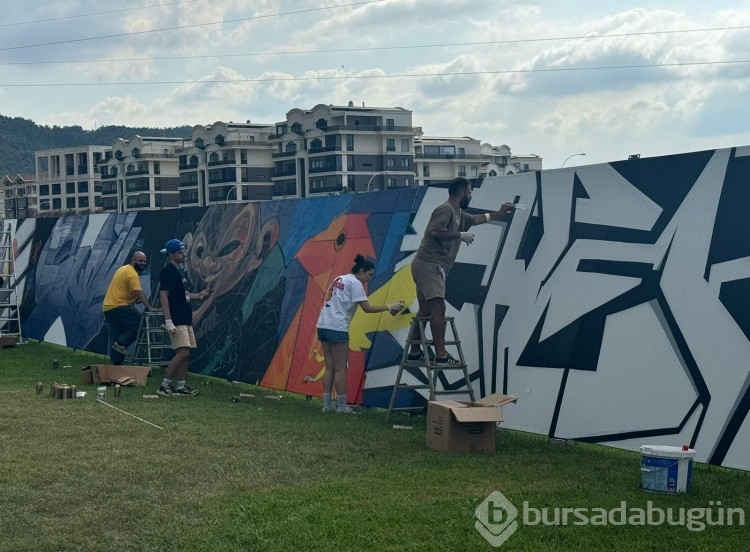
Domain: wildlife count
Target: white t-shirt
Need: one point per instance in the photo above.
(340, 303)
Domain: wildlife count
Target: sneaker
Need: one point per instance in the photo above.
(347, 410)
(185, 392)
(165, 391)
(447, 359)
(119, 348)
(419, 355)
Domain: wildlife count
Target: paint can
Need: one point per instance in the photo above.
(666, 469)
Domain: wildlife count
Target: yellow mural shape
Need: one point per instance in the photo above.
(400, 288)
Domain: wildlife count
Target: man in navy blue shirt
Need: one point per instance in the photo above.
(178, 319)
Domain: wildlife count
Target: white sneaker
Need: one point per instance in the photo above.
(347, 410)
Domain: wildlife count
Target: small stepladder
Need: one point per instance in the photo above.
(10, 312)
(152, 343)
(427, 369)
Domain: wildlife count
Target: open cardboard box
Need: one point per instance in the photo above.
(465, 427)
(109, 373)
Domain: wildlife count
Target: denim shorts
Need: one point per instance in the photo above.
(332, 336)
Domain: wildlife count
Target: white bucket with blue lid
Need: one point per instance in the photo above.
(666, 469)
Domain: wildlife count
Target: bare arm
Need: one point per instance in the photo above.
(144, 300)
(393, 308)
(164, 296)
(505, 208)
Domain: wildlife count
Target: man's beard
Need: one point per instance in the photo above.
(139, 268)
(464, 202)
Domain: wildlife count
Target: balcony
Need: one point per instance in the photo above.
(284, 154)
(222, 179)
(188, 183)
(109, 176)
(188, 167)
(317, 170)
(136, 173)
(287, 172)
(324, 149)
(222, 162)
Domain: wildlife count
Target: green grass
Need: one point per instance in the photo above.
(279, 475)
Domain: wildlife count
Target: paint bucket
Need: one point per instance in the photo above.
(666, 469)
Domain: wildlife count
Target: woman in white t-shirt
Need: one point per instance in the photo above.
(340, 304)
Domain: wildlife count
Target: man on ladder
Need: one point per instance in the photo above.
(436, 254)
(123, 319)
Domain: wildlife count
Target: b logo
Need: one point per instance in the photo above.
(496, 518)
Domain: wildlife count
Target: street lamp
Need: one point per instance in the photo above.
(568, 157)
(122, 203)
(234, 187)
(373, 176)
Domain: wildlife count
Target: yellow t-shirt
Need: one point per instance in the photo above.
(121, 288)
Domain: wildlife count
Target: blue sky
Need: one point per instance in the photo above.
(503, 72)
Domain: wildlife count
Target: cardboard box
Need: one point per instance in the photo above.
(109, 373)
(465, 427)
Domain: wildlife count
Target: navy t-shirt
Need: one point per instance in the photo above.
(173, 280)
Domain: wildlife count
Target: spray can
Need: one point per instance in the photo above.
(52, 389)
(117, 391)
(39, 388)
(101, 393)
(55, 364)
(73, 391)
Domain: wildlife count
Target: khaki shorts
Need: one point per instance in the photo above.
(429, 278)
(183, 337)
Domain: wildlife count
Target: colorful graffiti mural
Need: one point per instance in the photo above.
(615, 306)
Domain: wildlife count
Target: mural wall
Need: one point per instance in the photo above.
(615, 305)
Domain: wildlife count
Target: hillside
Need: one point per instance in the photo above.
(20, 138)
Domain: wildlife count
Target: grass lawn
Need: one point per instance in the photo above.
(280, 475)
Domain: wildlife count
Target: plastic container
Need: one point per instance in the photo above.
(666, 469)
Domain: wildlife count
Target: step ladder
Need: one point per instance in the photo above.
(152, 346)
(426, 371)
(10, 312)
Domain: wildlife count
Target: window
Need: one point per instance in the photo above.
(136, 152)
(130, 168)
(199, 143)
(390, 182)
(426, 170)
(473, 171)
(44, 189)
(157, 167)
(350, 142)
(291, 147)
(243, 157)
(281, 129)
(194, 160)
(391, 144)
(390, 123)
(213, 158)
(56, 190)
(70, 203)
(219, 140)
(462, 152)
(525, 167)
(390, 162)
(404, 145)
(462, 170)
(404, 163)
(118, 155)
(57, 203)
(83, 202)
(316, 144)
(297, 128)
(322, 124)
(83, 187)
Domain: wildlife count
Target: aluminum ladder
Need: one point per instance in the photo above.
(152, 346)
(10, 312)
(425, 369)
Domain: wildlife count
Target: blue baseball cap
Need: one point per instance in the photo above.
(173, 246)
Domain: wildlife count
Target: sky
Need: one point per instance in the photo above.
(605, 78)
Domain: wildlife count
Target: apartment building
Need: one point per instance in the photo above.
(140, 174)
(16, 191)
(226, 162)
(439, 159)
(67, 180)
(329, 148)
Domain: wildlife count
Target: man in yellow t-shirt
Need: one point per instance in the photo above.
(119, 309)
